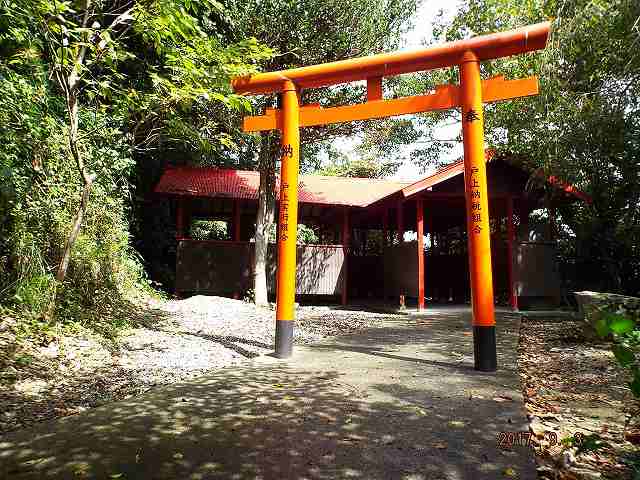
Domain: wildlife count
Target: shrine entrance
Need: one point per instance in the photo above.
(468, 96)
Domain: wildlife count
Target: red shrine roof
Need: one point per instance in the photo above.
(243, 185)
(314, 189)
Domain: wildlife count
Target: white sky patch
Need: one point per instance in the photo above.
(420, 35)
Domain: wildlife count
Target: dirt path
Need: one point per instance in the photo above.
(176, 340)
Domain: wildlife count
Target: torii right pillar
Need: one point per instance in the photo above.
(477, 204)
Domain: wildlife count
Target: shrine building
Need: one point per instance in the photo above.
(378, 239)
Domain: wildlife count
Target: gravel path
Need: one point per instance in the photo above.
(177, 340)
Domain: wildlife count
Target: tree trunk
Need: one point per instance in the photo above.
(75, 230)
(70, 87)
(265, 215)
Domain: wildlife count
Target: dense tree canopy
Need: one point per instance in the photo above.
(90, 84)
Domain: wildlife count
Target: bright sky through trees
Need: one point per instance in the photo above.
(416, 38)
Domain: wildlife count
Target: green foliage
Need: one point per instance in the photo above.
(39, 193)
(310, 32)
(103, 83)
(339, 165)
(249, 296)
(590, 443)
(584, 443)
(209, 230)
(306, 235)
(623, 326)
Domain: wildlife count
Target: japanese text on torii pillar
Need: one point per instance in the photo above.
(474, 186)
(476, 207)
(285, 151)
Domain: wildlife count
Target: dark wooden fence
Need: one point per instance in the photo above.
(225, 268)
(536, 272)
(213, 267)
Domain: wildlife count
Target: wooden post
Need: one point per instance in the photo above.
(346, 230)
(523, 227)
(179, 218)
(374, 89)
(236, 232)
(552, 223)
(513, 297)
(431, 239)
(431, 251)
(236, 220)
(420, 231)
(400, 222)
(385, 226)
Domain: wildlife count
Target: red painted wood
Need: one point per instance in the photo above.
(385, 226)
(236, 220)
(180, 218)
(513, 298)
(346, 230)
(400, 215)
(420, 231)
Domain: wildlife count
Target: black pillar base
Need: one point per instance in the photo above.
(284, 338)
(484, 348)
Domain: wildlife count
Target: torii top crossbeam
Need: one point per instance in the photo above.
(469, 96)
(485, 47)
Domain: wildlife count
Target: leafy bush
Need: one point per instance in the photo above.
(622, 324)
(39, 193)
(306, 235)
(209, 230)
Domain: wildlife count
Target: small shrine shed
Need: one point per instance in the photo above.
(372, 235)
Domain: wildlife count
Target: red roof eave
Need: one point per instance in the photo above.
(570, 189)
(441, 175)
(334, 191)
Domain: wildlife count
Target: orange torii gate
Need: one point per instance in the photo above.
(468, 96)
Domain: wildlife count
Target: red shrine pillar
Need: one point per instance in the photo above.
(400, 225)
(477, 206)
(400, 222)
(346, 231)
(513, 297)
(385, 226)
(236, 220)
(420, 231)
(179, 218)
(236, 232)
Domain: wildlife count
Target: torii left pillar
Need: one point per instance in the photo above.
(288, 221)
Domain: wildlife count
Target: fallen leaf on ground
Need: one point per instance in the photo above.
(510, 472)
(502, 398)
(456, 424)
(633, 437)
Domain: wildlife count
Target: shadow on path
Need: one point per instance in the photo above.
(395, 402)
